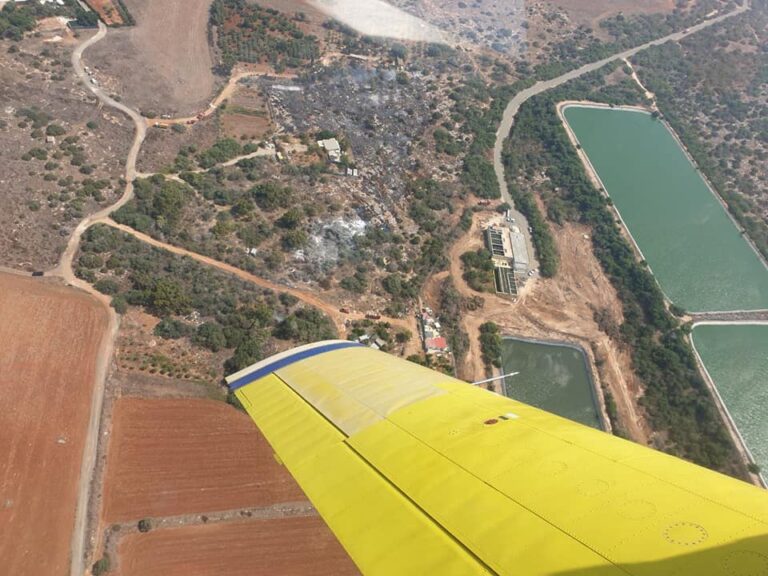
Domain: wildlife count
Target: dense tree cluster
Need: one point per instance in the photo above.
(478, 270)
(17, 19)
(451, 309)
(223, 150)
(247, 32)
(213, 309)
(490, 345)
(157, 207)
(479, 177)
(174, 211)
(127, 17)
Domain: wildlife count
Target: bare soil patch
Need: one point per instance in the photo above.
(140, 351)
(169, 457)
(246, 115)
(288, 546)
(561, 308)
(163, 64)
(51, 337)
(592, 11)
(163, 144)
(245, 125)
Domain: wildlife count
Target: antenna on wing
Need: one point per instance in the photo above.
(494, 378)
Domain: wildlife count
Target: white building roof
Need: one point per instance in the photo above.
(331, 145)
(519, 249)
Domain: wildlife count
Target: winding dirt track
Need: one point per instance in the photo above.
(225, 93)
(64, 268)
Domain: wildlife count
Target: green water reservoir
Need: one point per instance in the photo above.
(736, 357)
(552, 377)
(696, 252)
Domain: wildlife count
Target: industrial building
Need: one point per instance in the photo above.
(499, 244)
(509, 253)
(521, 262)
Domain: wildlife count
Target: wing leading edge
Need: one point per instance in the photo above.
(419, 473)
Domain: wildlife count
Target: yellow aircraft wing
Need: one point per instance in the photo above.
(419, 473)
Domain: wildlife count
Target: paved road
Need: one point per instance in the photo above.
(521, 97)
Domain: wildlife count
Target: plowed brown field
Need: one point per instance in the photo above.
(50, 339)
(163, 63)
(285, 547)
(180, 456)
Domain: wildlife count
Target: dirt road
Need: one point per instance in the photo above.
(267, 152)
(64, 270)
(225, 94)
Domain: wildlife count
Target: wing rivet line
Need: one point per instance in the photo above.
(685, 534)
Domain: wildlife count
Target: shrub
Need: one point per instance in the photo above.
(119, 304)
(38, 153)
(91, 261)
(107, 286)
(171, 329)
(55, 130)
(101, 566)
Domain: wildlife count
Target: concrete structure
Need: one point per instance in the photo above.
(332, 148)
(499, 244)
(520, 252)
(510, 257)
(505, 280)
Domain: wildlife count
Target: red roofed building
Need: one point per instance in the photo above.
(438, 344)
